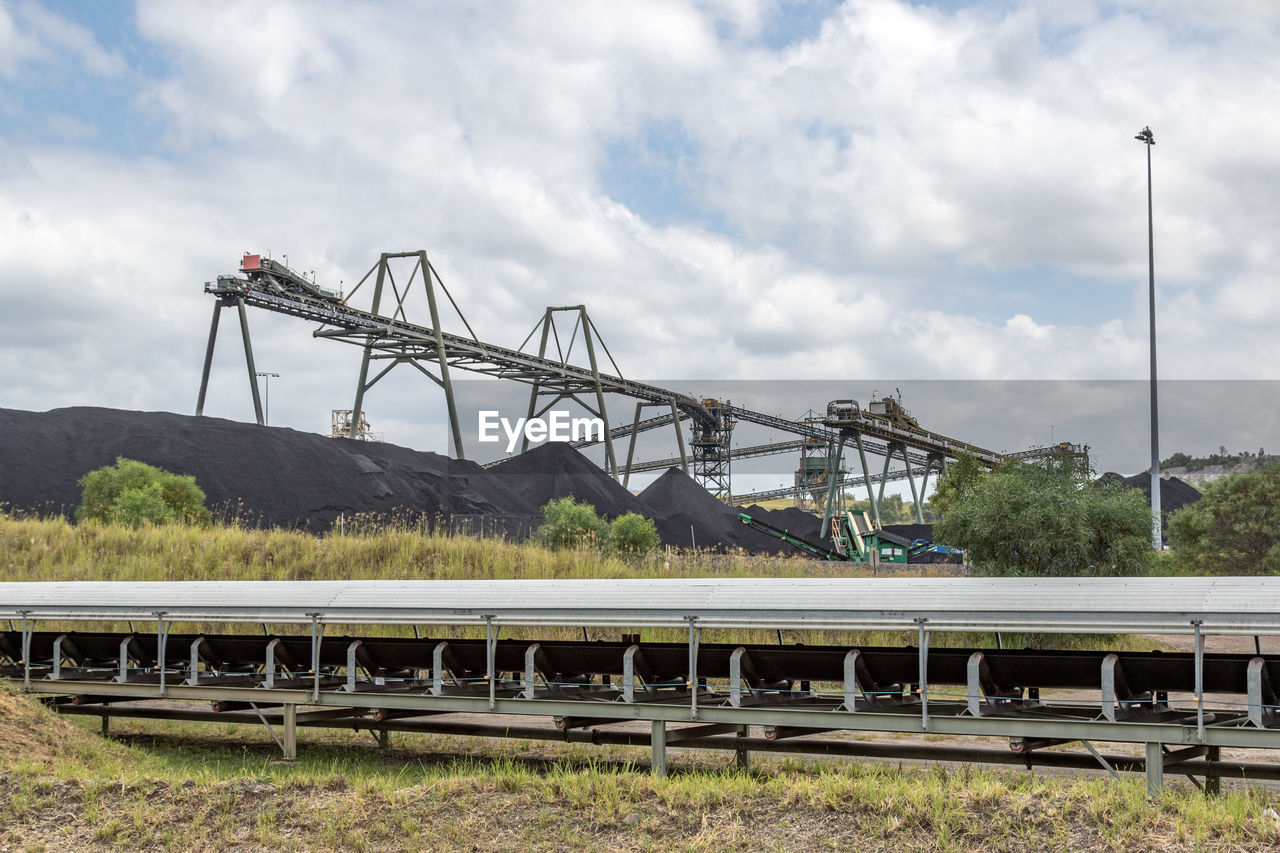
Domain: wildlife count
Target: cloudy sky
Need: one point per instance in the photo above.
(737, 190)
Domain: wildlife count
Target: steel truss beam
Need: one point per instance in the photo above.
(396, 339)
(562, 387)
(388, 336)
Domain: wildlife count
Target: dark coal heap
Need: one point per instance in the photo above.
(280, 477)
(687, 514)
(1174, 493)
(911, 532)
(556, 470)
(806, 525)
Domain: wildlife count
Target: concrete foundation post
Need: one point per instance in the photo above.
(658, 743)
(290, 745)
(1155, 769)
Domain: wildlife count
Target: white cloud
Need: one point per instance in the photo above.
(854, 172)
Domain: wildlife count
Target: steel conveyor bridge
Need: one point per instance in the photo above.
(389, 338)
(118, 649)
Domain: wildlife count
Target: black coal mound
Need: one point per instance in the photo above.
(556, 470)
(686, 514)
(806, 525)
(281, 477)
(912, 532)
(1174, 493)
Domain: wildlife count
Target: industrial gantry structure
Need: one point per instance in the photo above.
(266, 652)
(388, 337)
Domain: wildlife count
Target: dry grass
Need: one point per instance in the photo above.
(179, 791)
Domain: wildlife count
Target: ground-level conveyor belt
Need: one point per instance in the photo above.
(1181, 705)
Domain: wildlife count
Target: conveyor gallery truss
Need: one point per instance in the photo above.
(403, 325)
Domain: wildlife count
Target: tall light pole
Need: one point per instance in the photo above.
(1157, 540)
(268, 376)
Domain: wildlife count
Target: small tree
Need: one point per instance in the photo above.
(957, 483)
(632, 536)
(1046, 519)
(1234, 529)
(135, 493)
(571, 524)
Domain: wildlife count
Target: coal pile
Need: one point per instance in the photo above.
(1174, 493)
(806, 525)
(911, 532)
(270, 475)
(556, 470)
(278, 477)
(686, 514)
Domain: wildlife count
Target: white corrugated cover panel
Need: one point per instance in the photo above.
(1222, 604)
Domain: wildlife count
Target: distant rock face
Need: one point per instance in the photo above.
(281, 477)
(1201, 477)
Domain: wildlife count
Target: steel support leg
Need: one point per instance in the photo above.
(742, 756)
(361, 384)
(694, 636)
(547, 323)
(610, 460)
(684, 456)
(27, 625)
(1155, 769)
(924, 675)
(631, 445)
(851, 686)
(208, 357)
(491, 651)
(1199, 664)
(833, 485)
(315, 656)
(445, 381)
(866, 477)
(658, 745)
(916, 496)
(248, 357)
(1212, 781)
(162, 643)
(884, 474)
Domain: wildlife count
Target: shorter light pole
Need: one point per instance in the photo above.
(266, 419)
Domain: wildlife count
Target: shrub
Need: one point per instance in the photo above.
(571, 524)
(633, 536)
(1233, 530)
(1045, 519)
(135, 493)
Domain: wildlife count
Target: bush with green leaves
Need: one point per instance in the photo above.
(632, 536)
(1233, 530)
(135, 493)
(568, 523)
(1043, 519)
